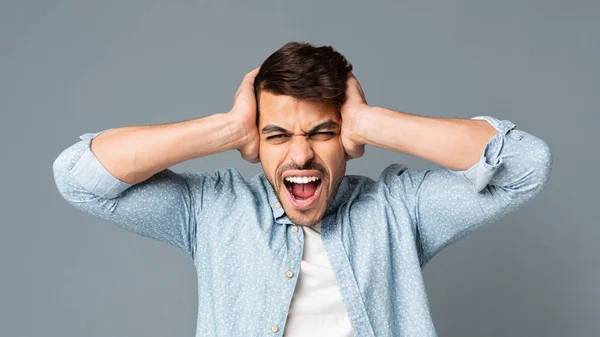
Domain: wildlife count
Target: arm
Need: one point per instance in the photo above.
(491, 169)
(448, 205)
(121, 176)
(135, 153)
(450, 142)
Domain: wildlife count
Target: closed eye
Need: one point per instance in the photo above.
(280, 138)
(275, 136)
(325, 135)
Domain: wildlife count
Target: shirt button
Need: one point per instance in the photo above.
(294, 229)
(277, 205)
(289, 274)
(274, 328)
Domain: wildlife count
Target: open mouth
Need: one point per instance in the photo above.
(302, 190)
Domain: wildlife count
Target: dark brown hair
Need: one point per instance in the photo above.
(305, 72)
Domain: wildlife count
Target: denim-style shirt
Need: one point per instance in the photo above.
(378, 234)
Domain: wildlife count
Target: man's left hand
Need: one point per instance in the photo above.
(354, 105)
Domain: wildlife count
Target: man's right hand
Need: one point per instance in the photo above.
(244, 112)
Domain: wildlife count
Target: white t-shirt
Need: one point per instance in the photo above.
(316, 309)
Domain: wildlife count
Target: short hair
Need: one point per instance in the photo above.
(305, 72)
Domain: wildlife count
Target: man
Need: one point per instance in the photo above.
(302, 249)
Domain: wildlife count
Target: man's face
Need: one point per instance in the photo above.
(301, 153)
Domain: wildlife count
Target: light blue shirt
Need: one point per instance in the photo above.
(378, 234)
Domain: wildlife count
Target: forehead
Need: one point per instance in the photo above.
(288, 111)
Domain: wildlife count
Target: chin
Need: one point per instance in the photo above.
(302, 217)
(304, 220)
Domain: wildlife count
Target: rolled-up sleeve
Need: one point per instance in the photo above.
(92, 176)
(162, 207)
(529, 161)
(448, 205)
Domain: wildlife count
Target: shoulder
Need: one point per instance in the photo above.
(226, 188)
(401, 179)
(388, 199)
(222, 180)
(394, 175)
(395, 185)
(226, 175)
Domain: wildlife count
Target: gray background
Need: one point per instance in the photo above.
(70, 67)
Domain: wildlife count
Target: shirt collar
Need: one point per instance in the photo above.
(274, 203)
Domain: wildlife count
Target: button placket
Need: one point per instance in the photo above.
(293, 263)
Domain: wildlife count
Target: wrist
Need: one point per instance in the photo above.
(373, 122)
(239, 133)
(360, 124)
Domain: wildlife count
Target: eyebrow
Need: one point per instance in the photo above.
(274, 128)
(329, 124)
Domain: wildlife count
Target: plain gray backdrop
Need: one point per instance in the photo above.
(71, 67)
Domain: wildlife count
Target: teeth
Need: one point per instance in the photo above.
(301, 180)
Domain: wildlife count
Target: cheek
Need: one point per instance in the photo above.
(270, 158)
(333, 155)
(337, 148)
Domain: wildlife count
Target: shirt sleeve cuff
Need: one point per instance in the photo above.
(481, 173)
(91, 175)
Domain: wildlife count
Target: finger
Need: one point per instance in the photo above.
(354, 94)
(355, 152)
(362, 94)
(252, 159)
(251, 75)
(255, 71)
(360, 151)
(359, 88)
(237, 92)
(247, 82)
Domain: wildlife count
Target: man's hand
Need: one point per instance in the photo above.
(243, 112)
(354, 105)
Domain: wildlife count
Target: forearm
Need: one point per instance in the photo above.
(451, 142)
(135, 153)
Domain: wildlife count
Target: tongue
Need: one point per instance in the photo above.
(304, 191)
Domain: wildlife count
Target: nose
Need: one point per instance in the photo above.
(301, 150)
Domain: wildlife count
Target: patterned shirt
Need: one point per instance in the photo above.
(378, 234)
